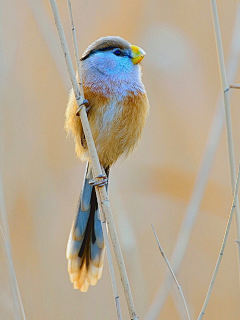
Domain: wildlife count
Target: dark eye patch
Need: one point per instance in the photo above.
(117, 52)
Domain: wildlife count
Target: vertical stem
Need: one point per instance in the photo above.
(226, 100)
(119, 257)
(200, 183)
(76, 50)
(110, 263)
(4, 232)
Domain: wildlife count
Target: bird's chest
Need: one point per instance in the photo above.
(109, 116)
(116, 122)
(108, 122)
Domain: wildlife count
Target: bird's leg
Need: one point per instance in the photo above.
(100, 180)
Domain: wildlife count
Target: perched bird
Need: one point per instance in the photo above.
(118, 106)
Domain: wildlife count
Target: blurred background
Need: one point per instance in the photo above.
(42, 179)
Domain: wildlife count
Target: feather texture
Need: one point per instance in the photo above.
(106, 42)
(118, 110)
(85, 249)
(116, 124)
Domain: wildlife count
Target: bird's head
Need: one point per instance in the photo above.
(112, 59)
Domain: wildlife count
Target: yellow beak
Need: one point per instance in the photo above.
(137, 54)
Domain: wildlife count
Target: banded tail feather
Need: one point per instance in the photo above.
(85, 248)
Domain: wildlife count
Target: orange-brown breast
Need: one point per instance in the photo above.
(116, 125)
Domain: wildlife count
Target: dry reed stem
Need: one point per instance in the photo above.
(200, 183)
(222, 248)
(110, 263)
(78, 62)
(103, 219)
(129, 244)
(172, 273)
(96, 166)
(227, 113)
(4, 231)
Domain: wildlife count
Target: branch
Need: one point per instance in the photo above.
(96, 165)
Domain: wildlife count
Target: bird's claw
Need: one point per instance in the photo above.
(88, 108)
(84, 103)
(99, 183)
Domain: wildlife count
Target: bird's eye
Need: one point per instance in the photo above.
(118, 52)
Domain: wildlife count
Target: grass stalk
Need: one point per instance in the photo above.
(172, 274)
(110, 262)
(4, 232)
(226, 100)
(96, 165)
(233, 207)
(200, 183)
(78, 62)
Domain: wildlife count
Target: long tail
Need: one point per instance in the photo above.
(85, 249)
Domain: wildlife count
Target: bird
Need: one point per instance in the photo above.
(117, 110)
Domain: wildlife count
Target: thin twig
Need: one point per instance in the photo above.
(4, 231)
(172, 273)
(227, 113)
(234, 86)
(103, 219)
(96, 165)
(222, 248)
(200, 183)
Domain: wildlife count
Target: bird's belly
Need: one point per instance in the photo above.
(113, 133)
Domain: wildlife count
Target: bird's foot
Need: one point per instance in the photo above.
(99, 183)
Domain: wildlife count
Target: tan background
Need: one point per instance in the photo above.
(42, 178)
